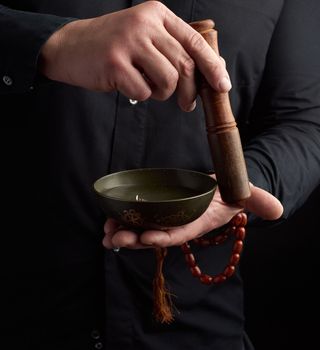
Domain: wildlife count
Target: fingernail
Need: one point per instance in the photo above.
(224, 84)
(191, 107)
(148, 244)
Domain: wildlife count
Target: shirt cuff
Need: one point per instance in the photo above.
(21, 42)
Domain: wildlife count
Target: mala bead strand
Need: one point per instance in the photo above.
(237, 228)
(216, 240)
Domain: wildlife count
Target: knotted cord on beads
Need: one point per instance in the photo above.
(162, 300)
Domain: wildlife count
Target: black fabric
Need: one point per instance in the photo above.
(285, 116)
(56, 140)
(53, 309)
(279, 268)
(17, 35)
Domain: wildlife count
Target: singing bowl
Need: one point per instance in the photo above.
(155, 198)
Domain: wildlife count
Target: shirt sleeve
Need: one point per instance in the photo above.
(22, 35)
(284, 155)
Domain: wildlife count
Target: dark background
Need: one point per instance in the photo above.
(280, 268)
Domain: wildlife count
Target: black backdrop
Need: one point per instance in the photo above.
(280, 267)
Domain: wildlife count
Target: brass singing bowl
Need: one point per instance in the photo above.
(155, 198)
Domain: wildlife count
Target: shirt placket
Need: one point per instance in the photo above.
(129, 131)
(129, 134)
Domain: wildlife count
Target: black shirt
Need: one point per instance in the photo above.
(56, 140)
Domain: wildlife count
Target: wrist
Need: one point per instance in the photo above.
(52, 51)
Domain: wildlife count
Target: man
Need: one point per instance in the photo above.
(60, 135)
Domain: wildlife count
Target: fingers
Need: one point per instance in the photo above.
(117, 237)
(217, 215)
(130, 82)
(126, 239)
(159, 71)
(171, 237)
(206, 59)
(169, 53)
(263, 204)
(110, 227)
(79, 54)
(185, 66)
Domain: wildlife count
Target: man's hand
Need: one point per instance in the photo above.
(261, 203)
(144, 51)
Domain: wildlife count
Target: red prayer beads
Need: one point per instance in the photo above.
(237, 228)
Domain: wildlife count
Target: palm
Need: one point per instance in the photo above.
(261, 203)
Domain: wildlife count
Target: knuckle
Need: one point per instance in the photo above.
(142, 17)
(223, 61)
(141, 94)
(197, 42)
(168, 85)
(170, 80)
(111, 69)
(137, 19)
(188, 67)
(113, 62)
(156, 5)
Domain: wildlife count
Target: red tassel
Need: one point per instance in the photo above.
(162, 298)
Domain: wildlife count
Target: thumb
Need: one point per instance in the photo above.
(263, 204)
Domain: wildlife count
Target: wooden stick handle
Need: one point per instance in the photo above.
(223, 134)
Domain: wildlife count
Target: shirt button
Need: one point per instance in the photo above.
(7, 80)
(133, 102)
(98, 346)
(95, 334)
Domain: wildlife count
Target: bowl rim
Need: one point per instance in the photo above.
(215, 184)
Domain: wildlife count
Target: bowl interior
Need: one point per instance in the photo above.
(155, 198)
(154, 185)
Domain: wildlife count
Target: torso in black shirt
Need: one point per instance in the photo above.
(57, 140)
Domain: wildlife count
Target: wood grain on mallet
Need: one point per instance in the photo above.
(223, 134)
